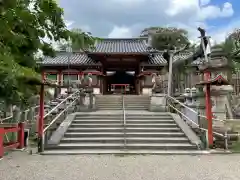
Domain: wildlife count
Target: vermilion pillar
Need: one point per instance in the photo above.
(207, 77)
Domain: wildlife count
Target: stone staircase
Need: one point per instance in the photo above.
(136, 102)
(103, 132)
(114, 102)
(109, 102)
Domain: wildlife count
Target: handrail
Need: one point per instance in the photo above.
(55, 119)
(63, 101)
(225, 135)
(177, 101)
(197, 125)
(124, 121)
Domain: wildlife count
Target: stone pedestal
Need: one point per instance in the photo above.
(158, 103)
(219, 101)
(190, 101)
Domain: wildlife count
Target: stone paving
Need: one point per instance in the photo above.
(21, 166)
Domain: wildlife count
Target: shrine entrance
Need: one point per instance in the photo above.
(120, 82)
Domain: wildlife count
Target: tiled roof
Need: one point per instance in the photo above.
(111, 46)
(157, 58)
(133, 45)
(182, 55)
(62, 58)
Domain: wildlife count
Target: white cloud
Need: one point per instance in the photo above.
(221, 33)
(177, 7)
(198, 12)
(126, 18)
(119, 32)
(227, 10)
(204, 2)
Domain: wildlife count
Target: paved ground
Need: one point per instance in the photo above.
(21, 166)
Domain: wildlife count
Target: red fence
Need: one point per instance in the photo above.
(11, 128)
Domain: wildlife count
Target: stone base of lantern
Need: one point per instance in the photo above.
(158, 103)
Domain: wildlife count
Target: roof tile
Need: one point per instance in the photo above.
(158, 59)
(133, 45)
(62, 58)
(108, 46)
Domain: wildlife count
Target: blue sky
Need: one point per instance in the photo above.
(126, 18)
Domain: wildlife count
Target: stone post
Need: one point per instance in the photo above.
(200, 107)
(193, 115)
(219, 98)
(187, 102)
(16, 119)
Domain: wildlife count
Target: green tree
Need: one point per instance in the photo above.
(231, 52)
(169, 38)
(79, 40)
(25, 24)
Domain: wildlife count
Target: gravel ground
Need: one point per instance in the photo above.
(21, 166)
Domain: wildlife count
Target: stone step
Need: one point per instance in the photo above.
(124, 152)
(149, 114)
(109, 103)
(148, 117)
(105, 117)
(116, 121)
(122, 140)
(109, 100)
(135, 101)
(121, 125)
(100, 121)
(109, 108)
(119, 129)
(136, 107)
(153, 146)
(127, 134)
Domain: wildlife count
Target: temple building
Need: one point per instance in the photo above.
(115, 64)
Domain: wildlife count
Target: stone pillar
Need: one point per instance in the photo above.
(158, 103)
(201, 107)
(191, 103)
(219, 99)
(187, 102)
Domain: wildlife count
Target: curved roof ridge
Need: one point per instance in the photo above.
(118, 39)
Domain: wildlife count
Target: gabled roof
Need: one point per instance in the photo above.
(114, 46)
(63, 58)
(157, 58)
(126, 46)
